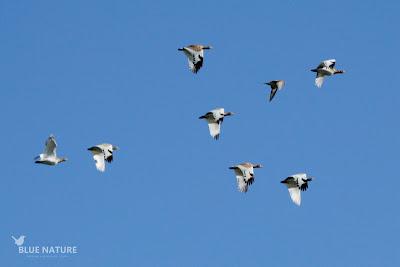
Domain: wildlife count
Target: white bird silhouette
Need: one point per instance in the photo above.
(214, 119)
(19, 241)
(295, 183)
(244, 175)
(102, 152)
(195, 56)
(49, 156)
(325, 68)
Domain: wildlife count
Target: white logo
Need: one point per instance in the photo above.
(44, 251)
(19, 241)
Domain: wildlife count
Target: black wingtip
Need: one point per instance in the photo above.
(109, 159)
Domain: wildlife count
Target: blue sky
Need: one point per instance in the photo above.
(102, 71)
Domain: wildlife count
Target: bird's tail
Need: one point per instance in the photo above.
(261, 83)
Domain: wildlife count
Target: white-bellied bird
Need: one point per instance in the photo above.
(49, 156)
(245, 175)
(295, 183)
(101, 153)
(195, 56)
(214, 118)
(326, 68)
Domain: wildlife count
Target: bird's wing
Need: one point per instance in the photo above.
(195, 59)
(330, 63)
(50, 149)
(108, 154)
(208, 114)
(218, 115)
(99, 160)
(273, 92)
(242, 185)
(294, 192)
(320, 78)
(249, 175)
(214, 126)
(301, 180)
(14, 238)
(279, 85)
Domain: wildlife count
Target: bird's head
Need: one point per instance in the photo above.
(311, 178)
(283, 82)
(207, 47)
(228, 114)
(257, 166)
(62, 159)
(115, 147)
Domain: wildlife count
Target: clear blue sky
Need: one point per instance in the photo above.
(110, 71)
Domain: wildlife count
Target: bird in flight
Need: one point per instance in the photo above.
(101, 153)
(326, 68)
(275, 86)
(49, 156)
(295, 183)
(245, 175)
(214, 118)
(195, 56)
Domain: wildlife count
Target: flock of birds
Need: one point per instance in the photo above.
(244, 172)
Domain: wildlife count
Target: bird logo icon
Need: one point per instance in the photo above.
(19, 241)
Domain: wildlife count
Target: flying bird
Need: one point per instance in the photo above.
(101, 153)
(49, 156)
(245, 175)
(326, 68)
(195, 56)
(19, 241)
(295, 183)
(214, 118)
(275, 86)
